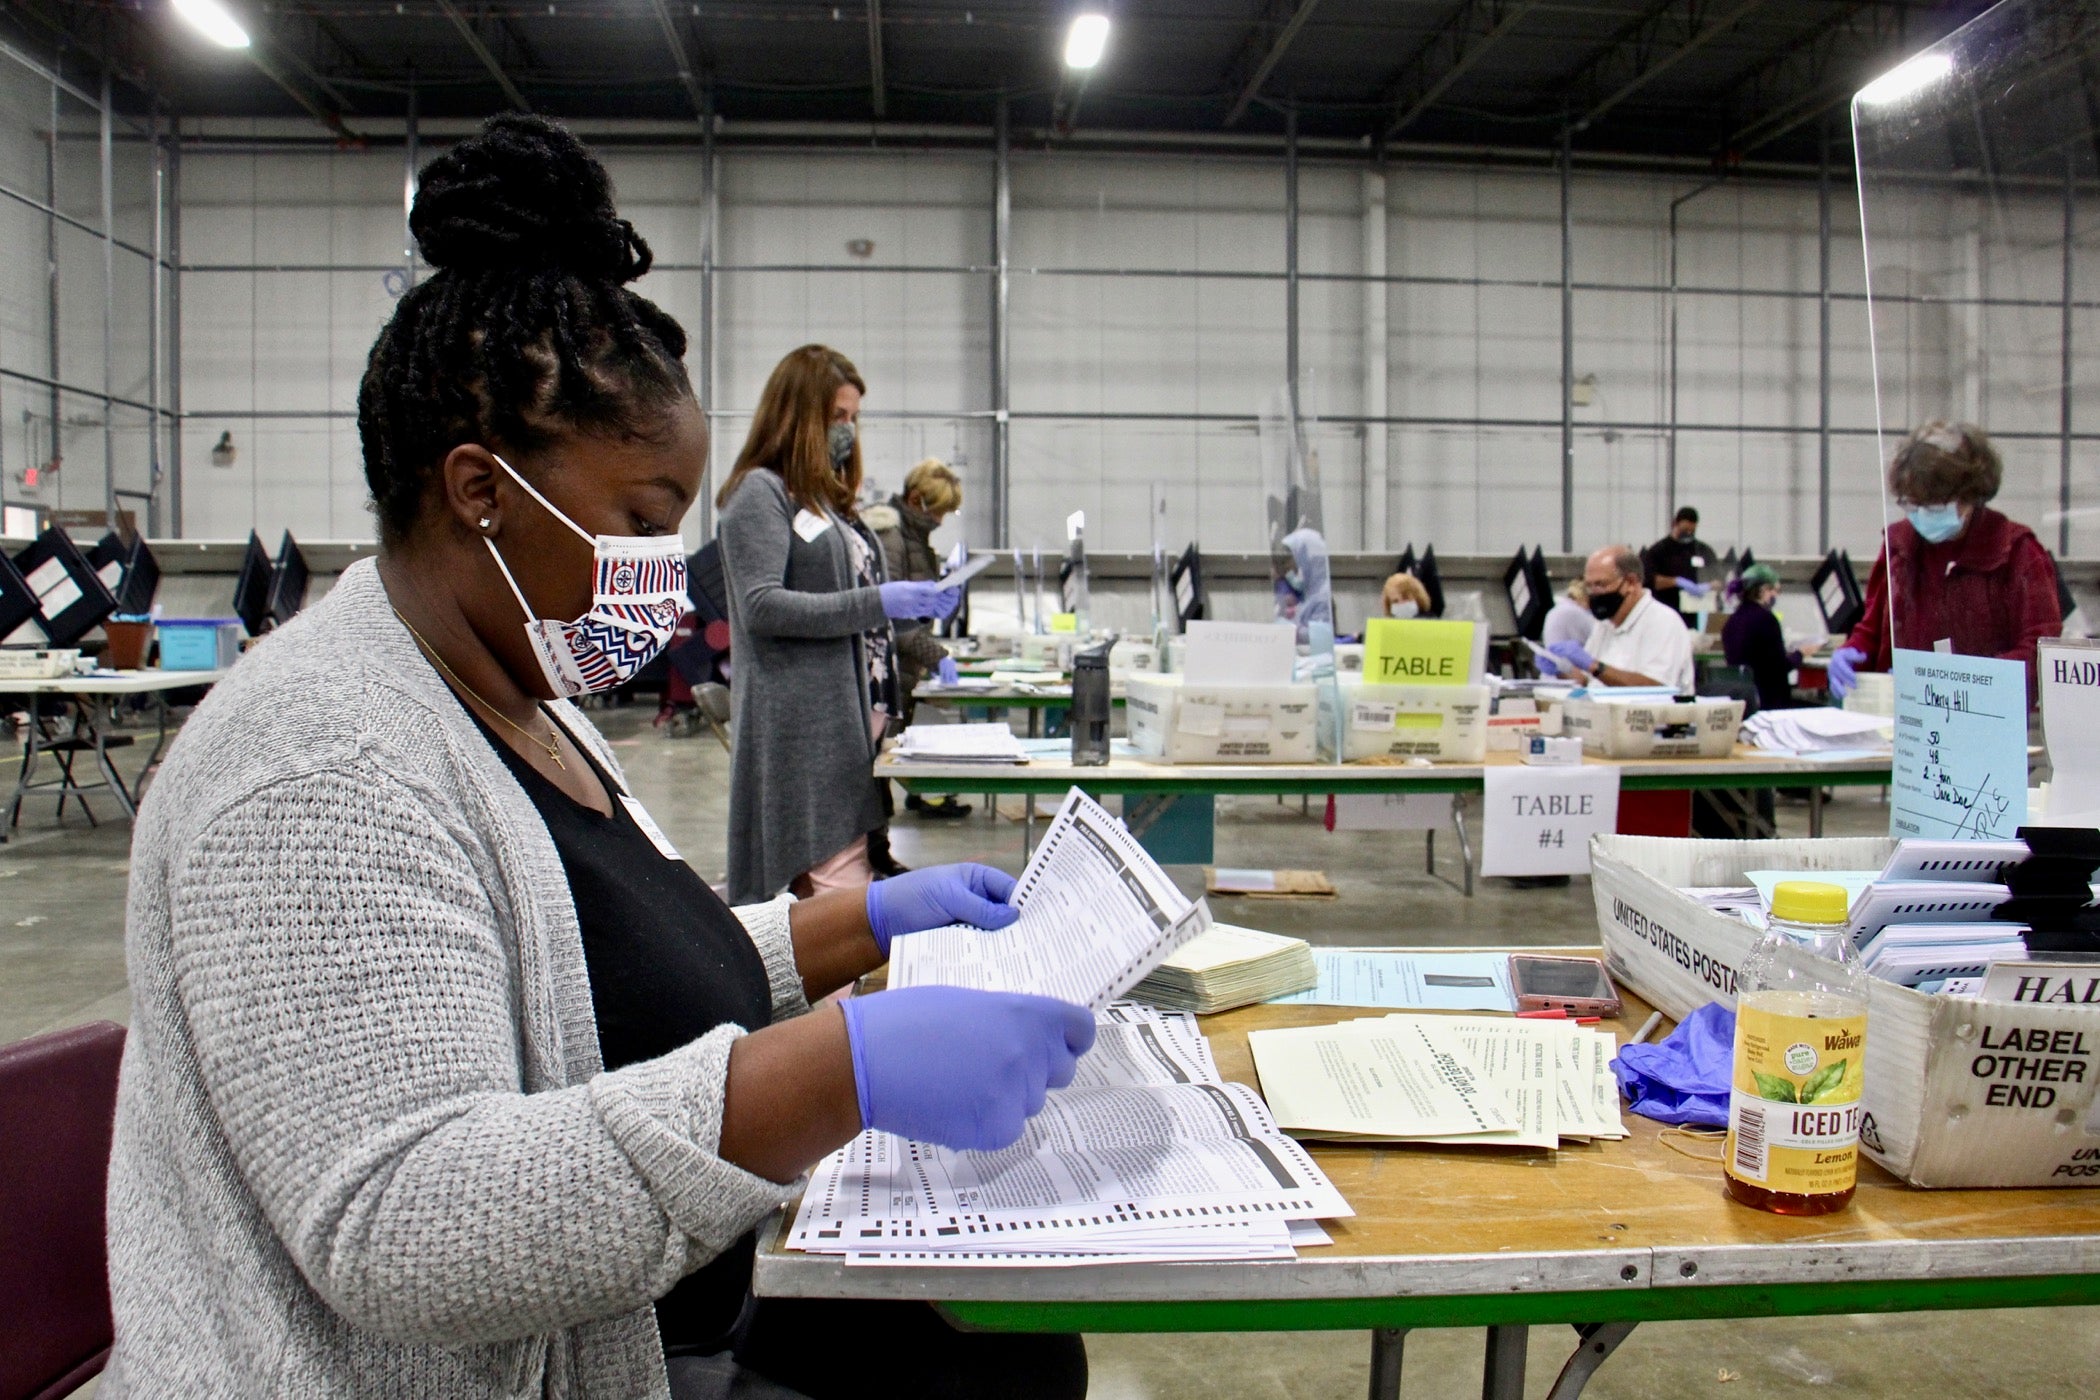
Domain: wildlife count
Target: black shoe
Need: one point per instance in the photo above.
(946, 809)
(1538, 882)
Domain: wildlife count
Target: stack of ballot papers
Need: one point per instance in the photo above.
(1459, 1080)
(1927, 956)
(961, 743)
(1097, 915)
(1147, 1157)
(1817, 731)
(1227, 967)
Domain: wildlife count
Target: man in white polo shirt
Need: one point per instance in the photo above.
(1637, 641)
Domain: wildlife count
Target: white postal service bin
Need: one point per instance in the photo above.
(1702, 728)
(1959, 1092)
(1219, 723)
(1447, 722)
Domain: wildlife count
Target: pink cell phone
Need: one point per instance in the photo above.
(1578, 986)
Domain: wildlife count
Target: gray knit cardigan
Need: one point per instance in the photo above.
(365, 1145)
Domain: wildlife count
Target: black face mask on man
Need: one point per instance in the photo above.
(1605, 606)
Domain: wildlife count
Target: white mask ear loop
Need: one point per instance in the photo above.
(552, 509)
(515, 591)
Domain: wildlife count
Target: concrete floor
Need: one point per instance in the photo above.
(62, 962)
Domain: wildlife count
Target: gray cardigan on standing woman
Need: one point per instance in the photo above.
(801, 786)
(365, 1144)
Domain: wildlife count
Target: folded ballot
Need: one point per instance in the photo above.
(1226, 967)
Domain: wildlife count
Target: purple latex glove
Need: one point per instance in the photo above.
(1548, 664)
(1844, 670)
(1685, 1077)
(906, 599)
(946, 673)
(937, 896)
(961, 1068)
(1693, 587)
(1573, 653)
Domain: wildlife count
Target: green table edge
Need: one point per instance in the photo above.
(1347, 779)
(1684, 1303)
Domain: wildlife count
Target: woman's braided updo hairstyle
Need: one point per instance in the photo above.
(526, 329)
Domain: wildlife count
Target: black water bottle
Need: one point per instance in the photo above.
(1090, 707)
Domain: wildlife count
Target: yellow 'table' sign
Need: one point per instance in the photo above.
(1417, 651)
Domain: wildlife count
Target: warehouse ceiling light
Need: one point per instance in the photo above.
(214, 21)
(1910, 76)
(1086, 40)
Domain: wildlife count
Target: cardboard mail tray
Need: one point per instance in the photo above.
(1447, 722)
(1701, 728)
(1219, 723)
(1959, 1092)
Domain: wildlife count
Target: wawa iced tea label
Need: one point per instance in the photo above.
(1793, 1115)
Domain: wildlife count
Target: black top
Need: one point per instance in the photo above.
(1752, 638)
(1671, 558)
(668, 963)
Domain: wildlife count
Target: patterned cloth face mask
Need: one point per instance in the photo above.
(638, 595)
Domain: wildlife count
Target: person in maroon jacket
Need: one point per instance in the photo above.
(1952, 568)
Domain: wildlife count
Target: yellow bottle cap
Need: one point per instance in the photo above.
(1810, 902)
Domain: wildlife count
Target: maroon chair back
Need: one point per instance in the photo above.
(58, 1101)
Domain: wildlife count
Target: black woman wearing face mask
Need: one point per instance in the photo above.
(446, 1076)
(1952, 569)
(809, 615)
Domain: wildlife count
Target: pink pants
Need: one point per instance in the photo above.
(848, 870)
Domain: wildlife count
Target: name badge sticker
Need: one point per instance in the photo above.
(649, 828)
(809, 525)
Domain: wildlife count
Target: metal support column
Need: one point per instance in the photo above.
(1567, 341)
(1290, 301)
(1822, 343)
(411, 156)
(175, 327)
(709, 196)
(105, 139)
(1002, 345)
(58, 451)
(156, 420)
(2063, 421)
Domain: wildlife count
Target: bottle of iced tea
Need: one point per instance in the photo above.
(1800, 1046)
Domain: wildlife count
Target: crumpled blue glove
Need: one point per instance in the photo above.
(961, 1068)
(1685, 1077)
(910, 599)
(1574, 654)
(938, 896)
(1693, 587)
(1844, 670)
(946, 673)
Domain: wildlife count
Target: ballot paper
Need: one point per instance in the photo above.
(1407, 978)
(1460, 1081)
(957, 577)
(1097, 914)
(1228, 966)
(1147, 1157)
(1812, 730)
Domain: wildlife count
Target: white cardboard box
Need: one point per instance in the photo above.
(38, 663)
(1447, 722)
(1958, 1092)
(1219, 723)
(1704, 728)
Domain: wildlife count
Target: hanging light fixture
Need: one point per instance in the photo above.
(1086, 40)
(214, 21)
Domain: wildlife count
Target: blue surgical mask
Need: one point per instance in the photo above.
(1935, 524)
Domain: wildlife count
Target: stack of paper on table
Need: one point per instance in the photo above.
(1268, 884)
(1148, 1157)
(1227, 967)
(1926, 956)
(1419, 979)
(1460, 1080)
(961, 743)
(1813, 731)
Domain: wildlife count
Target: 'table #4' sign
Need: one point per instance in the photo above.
(1540, 819)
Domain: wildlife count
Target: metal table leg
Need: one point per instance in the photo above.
(1599, 1341)
(1502, 1374)
(1386, 1355)
(29, 752)
(1815, 809)
(160, 746)
(1465, 842)
(1027, 828)
(1429, 860)
(102, 717)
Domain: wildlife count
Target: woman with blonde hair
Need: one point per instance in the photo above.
(810, 607)
(932, 492)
